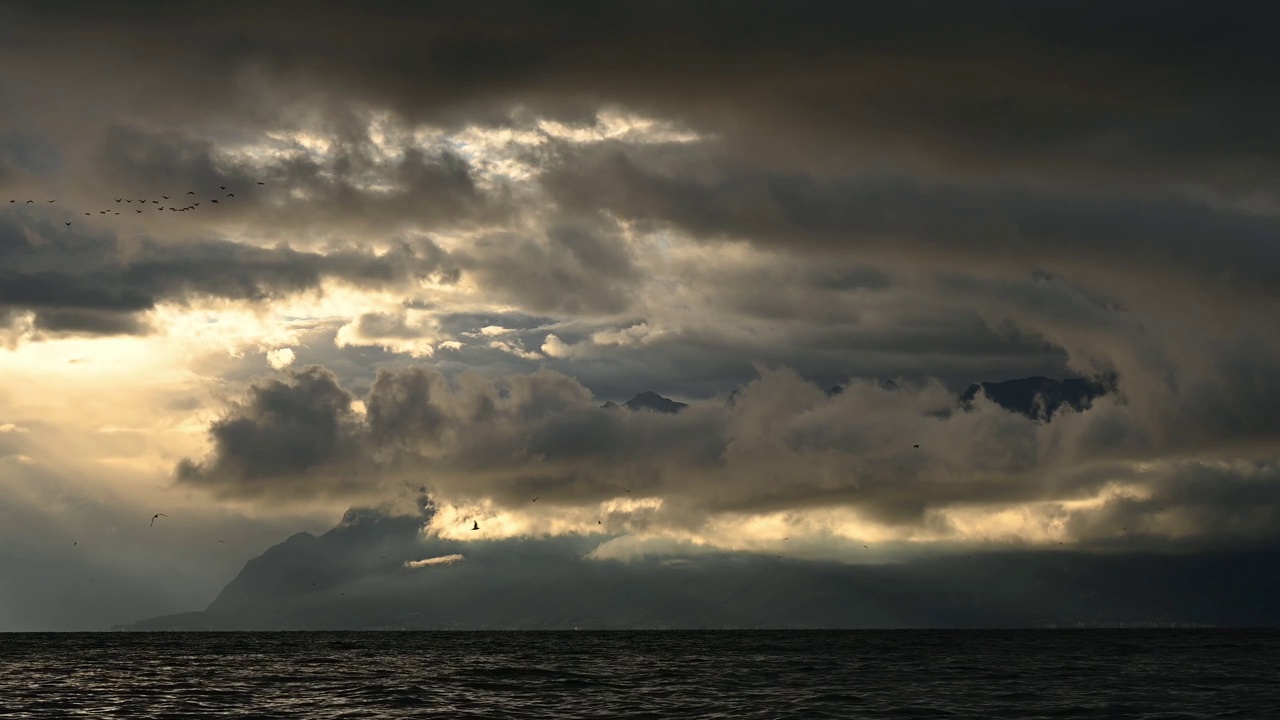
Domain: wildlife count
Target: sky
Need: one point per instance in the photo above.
(457, 230)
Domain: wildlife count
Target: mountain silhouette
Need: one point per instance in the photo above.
(649, 400)
(361, 582)
(1039, 397)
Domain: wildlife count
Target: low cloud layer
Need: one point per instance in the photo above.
(783, 446)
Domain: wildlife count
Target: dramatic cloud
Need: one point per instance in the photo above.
(77, 282)
(783, 446)
(446, 237)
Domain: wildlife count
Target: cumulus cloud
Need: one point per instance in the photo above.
(280, 358)
(284, 432)
(783, 446)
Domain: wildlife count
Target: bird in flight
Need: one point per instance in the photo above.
(533, 499)
(475, 525)
(51, 201)
(157, 515)
(191, 192)
(166, 197)
(231, 194)
(916, 447)
(261, 183)
(70, 223)
(30, 201)
(224, 187)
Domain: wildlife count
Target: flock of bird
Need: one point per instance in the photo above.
(165, 203)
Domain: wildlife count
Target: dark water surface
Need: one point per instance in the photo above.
(716, 674)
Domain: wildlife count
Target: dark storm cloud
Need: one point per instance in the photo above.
(1141, 86)
(975, 188)
(573, 269)
(1137, 87)
(350, 186)
(282, 432)
(81, 281)
(784, 445)
(939, 224)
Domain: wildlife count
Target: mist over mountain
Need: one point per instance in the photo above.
(358, 576)
(383, 570)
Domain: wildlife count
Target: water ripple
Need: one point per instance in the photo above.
(1191, 674)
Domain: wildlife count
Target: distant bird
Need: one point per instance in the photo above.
(534, 499)
(51, 201)
(142, 200)
(866, 547)
(166, 197)
(128, 201)
(213, 201)
(261, 183)
(13, 201)
(157, 515)
(599, 522)
(231, 194)
(224, 187)
(86, 213)
(475, 525)
(68, 223)
(155, 202)
(137, 211)
(74, 544)
(916, 447)
(191, 192)
(119, 199)
(30, 201)
(221, 541)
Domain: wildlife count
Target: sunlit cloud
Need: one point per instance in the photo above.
(428, 562)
